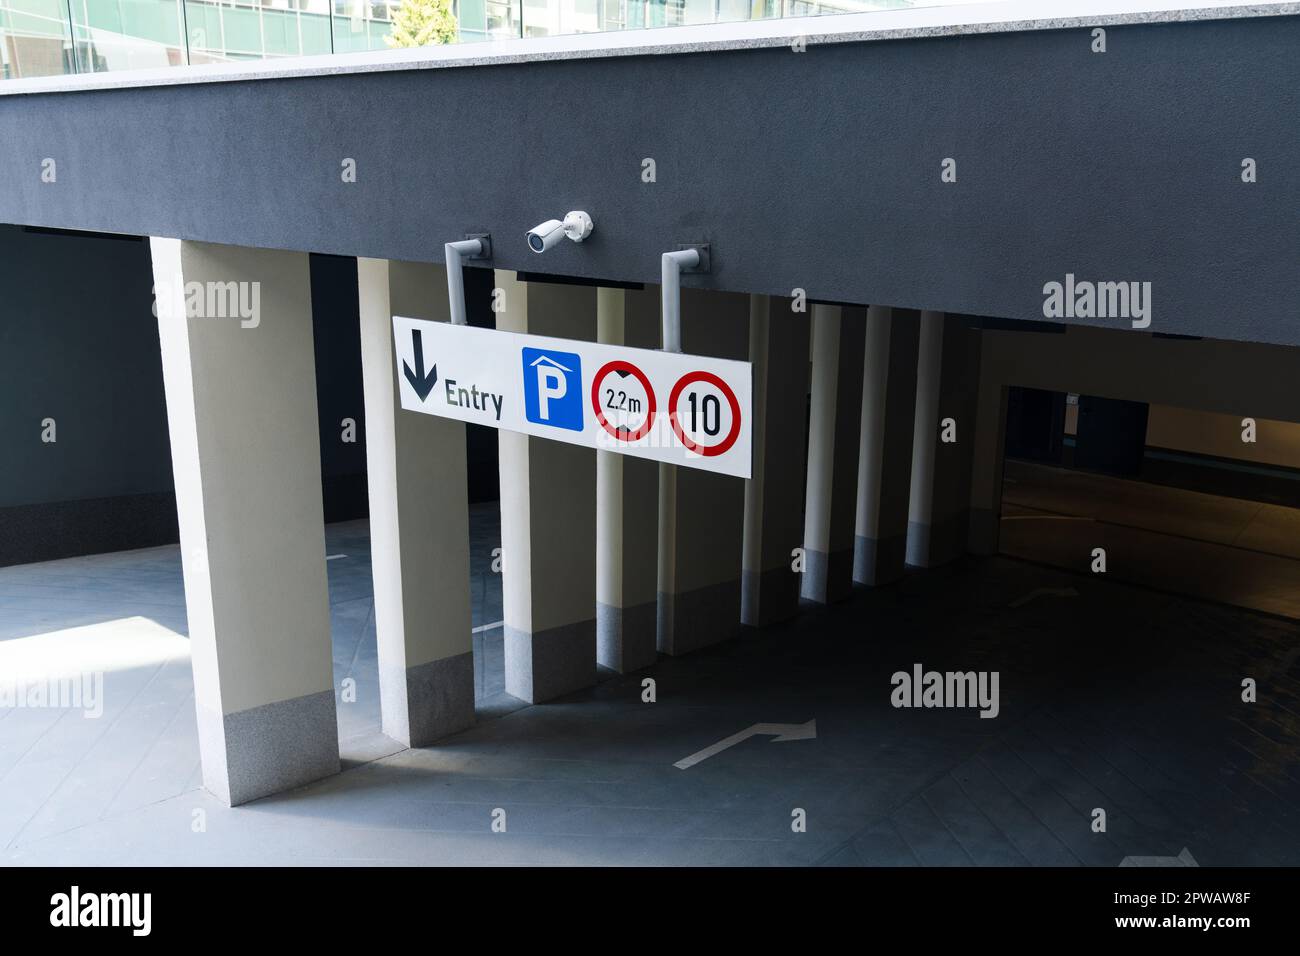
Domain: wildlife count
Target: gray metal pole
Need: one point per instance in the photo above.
(671, 273)
(455, 253)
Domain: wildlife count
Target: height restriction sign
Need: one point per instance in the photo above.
(681, 409)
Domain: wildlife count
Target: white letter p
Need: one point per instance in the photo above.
(551, 383)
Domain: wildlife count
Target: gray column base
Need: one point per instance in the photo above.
(769, 597)
(878, 561)
(625, 636)
(827, 578)
(543, 665)
(929, 546)
(433, 700)
(264, 750)
(985, 525)
(693, 619)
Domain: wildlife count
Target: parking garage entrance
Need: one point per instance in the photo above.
(1184, 501)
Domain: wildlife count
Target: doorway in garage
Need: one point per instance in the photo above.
(1189, 502)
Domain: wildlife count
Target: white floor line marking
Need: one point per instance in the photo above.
(334, 557)
(486, 627)
(1182, 859)
(779, 732)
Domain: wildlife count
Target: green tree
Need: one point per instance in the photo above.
(422, 23)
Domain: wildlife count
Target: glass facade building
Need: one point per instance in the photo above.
(48, 37)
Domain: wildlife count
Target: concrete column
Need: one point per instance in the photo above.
(986, 468)
(702, 515)
(241, 410)
(419, 521)
(627, 504)
(946, 389)
(834, 433)
(548, 520)
(778, 349)
(885, 449)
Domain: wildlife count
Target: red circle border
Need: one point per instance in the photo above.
(707, 451)
(640, 376)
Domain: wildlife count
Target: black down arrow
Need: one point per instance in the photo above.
(422, 384)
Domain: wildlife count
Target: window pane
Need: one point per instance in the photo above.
(127, 34)
(34, 38)
(362, 24)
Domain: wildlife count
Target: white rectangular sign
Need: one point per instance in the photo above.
(681, 409)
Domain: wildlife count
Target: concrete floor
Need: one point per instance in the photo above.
(1119, 698)
(1239, 552)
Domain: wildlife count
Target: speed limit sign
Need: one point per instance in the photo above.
(704, 413)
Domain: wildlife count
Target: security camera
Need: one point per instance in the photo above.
(545, 236)
(576, 226)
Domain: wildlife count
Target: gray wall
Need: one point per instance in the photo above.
(337, 340)
(818, 170)
(79, 344)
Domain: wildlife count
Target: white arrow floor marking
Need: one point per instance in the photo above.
(1182, 859)
(779, 731)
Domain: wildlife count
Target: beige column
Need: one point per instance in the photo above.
(701, 514)
(943, 440)
(885, 465)
(627, 505)
(988, 459)
(419, 521)
(548, 519)
(778, 349)
(240, 381)
(834, 436)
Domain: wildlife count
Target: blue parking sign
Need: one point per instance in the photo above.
(553, 388)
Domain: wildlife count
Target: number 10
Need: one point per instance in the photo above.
(708, 408)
